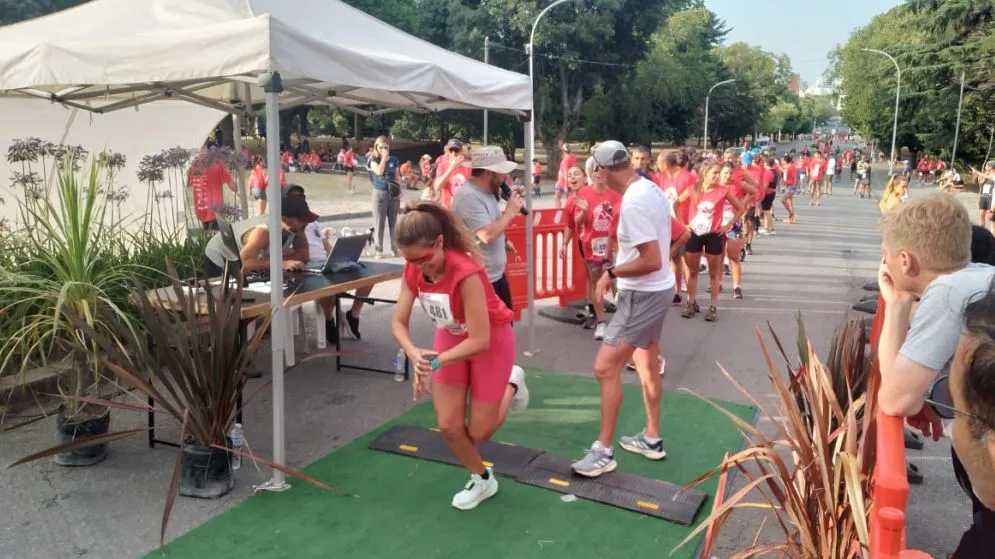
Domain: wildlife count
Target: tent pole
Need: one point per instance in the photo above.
(530, 316)
(273, 86)
(243, 199)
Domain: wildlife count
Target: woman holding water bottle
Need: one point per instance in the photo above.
(473, 350)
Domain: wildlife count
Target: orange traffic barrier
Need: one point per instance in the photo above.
(891, 484)
(555, 276)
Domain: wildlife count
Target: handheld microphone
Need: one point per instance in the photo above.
(506, 194)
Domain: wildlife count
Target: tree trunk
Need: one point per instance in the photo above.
(226, 132)
(357, 127)
(302, 127)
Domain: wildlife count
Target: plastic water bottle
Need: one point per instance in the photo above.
(237, 439)
(399, 368)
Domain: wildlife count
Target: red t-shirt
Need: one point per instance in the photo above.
(673, 186)
(260, 178)
(790, 175)
(442, 300)
(676, 229)
(706, 210)
(349, 159)
(536, 169)
(600, 222)
(206, 186)
(806, 165)
(817, 169)
(456, 180)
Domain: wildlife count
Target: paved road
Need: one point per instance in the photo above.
(815, 266)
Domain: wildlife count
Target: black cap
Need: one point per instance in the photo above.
(294, 190)
(296, 206)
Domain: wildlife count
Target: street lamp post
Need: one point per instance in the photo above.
(710, 90)
(530, 144)
(898, 91)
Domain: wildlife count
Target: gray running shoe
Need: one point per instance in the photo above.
(639, 445)
(596, 462)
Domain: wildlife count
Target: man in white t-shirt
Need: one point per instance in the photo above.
(645, 286)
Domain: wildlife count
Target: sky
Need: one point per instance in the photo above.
(805, 31)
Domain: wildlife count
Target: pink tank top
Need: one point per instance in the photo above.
(706, 210)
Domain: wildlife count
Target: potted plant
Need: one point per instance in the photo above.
(73, 269)
(189, 362)
(814, 474)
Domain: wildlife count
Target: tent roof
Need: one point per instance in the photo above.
(110, 54)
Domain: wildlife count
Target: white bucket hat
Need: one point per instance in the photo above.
(491, 158)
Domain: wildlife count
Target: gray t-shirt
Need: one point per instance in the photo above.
(479, 209)
(938, 321)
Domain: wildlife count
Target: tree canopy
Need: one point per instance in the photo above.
(934, 42)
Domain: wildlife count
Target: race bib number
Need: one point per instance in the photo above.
(438, 308)
(599, 247)
(701, 225)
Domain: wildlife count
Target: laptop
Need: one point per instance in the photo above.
(344, 256)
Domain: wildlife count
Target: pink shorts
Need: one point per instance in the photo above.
(487, 373)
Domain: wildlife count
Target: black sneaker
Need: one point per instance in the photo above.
(590, 322)
(353, 322)
(737, 293)
(726, 270)
(748, 249)
(677, 299)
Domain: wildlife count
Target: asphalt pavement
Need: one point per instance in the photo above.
(814, 267)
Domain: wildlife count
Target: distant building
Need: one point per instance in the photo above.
(819, 89)
(795, 84)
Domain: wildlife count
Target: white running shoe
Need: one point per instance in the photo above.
(477, 490)
(599, 331)
(663, 366)
(520, 401)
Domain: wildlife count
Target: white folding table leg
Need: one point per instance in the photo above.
(289, 353)
(319, 327)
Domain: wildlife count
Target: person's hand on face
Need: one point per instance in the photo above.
(890, 291)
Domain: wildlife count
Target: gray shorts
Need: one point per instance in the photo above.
(638, 319)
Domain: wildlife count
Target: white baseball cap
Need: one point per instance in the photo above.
(491, 158)
(610, 153)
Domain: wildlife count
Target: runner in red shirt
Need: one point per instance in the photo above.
(790, 188)
(473, 352)
(569, 161)
(259, 180)
(736, 225)
(349, 163)
(536, 177)
(707, 206)
(593, 211)
(206, 184)
(674, 179)
(768, 191)
(451, 170)
(817, 171)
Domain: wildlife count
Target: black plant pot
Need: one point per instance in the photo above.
(70, 430)
(205, 472)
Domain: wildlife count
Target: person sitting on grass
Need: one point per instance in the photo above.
(473, 348)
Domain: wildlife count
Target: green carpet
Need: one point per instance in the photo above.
(402, 508)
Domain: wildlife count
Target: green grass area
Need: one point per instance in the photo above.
(402, 508)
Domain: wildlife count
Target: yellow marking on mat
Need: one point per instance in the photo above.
(559, 482)
(645, 505)
(408, 448)
(506, 444)
(433, 429)
(488, 464)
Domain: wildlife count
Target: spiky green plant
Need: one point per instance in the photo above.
(72, 267)
(814, 474)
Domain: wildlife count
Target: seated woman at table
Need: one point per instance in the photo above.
(252, 240)
(473, 352)
(319, 246)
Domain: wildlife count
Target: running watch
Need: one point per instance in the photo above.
(611, 271)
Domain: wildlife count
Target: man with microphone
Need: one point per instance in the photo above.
(477, 205)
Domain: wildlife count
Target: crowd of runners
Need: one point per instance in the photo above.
(646, 233)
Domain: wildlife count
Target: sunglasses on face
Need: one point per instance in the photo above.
(942, 403)
(425, 259)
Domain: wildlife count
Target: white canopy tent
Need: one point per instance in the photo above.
(227, 55)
